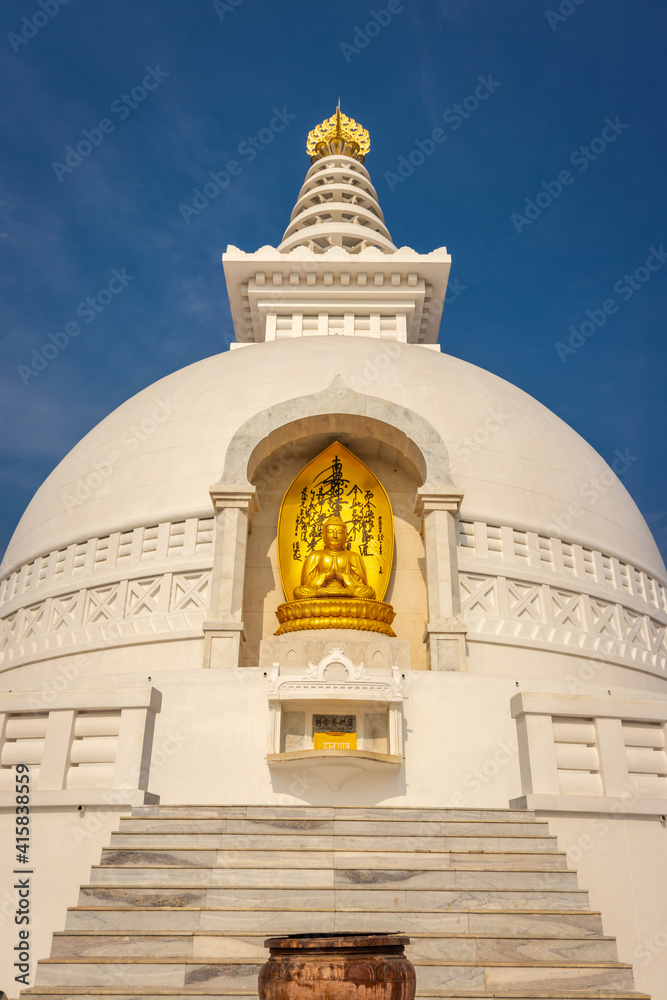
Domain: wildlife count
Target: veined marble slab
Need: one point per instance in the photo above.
(424, 828)
(181, 858)
(497, 861)
(558, 978)
(279, 859)
(415, 899)
(547, 924)
(416, 879)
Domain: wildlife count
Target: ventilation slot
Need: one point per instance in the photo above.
(647, 760)
(176, 538)
(124, 547)
(467, 536)
(568, 559)
(149, 544)
(204, 536)
(24, 744)
(577, 756)
(495, 540)
(93, 750)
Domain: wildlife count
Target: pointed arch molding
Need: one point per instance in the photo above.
(337, 409)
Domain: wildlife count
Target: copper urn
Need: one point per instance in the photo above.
(337, 967)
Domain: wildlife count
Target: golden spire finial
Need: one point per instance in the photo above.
(337, 135)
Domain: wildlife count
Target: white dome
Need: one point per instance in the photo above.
(155, 457)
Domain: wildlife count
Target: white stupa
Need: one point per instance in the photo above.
(140, 589)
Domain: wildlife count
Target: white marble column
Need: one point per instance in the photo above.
(445, 629)
(223, 630)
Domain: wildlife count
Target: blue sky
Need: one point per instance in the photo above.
(201, 78)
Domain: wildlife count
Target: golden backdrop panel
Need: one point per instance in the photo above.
(336, 482)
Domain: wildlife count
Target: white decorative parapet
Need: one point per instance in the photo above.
(84, 745)
(140, 585)
(591, 754)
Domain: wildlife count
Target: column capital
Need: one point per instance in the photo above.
(445, 499)
(240, 497)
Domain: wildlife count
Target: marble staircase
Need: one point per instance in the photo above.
(185, 896)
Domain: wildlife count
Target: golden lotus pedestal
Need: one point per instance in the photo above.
(335, 612)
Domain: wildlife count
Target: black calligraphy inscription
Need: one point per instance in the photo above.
(332, 493)
(334, 723)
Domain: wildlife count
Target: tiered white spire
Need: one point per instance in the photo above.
(337, 271)
(337, 206)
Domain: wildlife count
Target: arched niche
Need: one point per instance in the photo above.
(261, 453)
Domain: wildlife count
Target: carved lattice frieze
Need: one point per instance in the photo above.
(63, 613)
(491, 542)
(189, 591)
(567, 609)
(525, 601)
(479, 594)
(33, 619)
(101, 604)
(143, 597)
(634, 628)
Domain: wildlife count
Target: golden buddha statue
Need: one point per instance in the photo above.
(333, 570)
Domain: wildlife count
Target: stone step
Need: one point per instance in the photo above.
(480, 923)
(202, 945)
(184, 898)
(307, 842)
(204, 993)
(256, 858)
(362, 898)
(337, 827)
(242, 976)
(331, 812)
(329, 878)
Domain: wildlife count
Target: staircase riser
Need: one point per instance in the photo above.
(333, 812)
(452, 949)
(324, 827)
(226, 976)
(155, 994)
(479, 924)
(317, 899)
(431, 861)
(329, 879)
(305, 842)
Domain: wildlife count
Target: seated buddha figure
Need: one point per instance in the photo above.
(333, 571)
